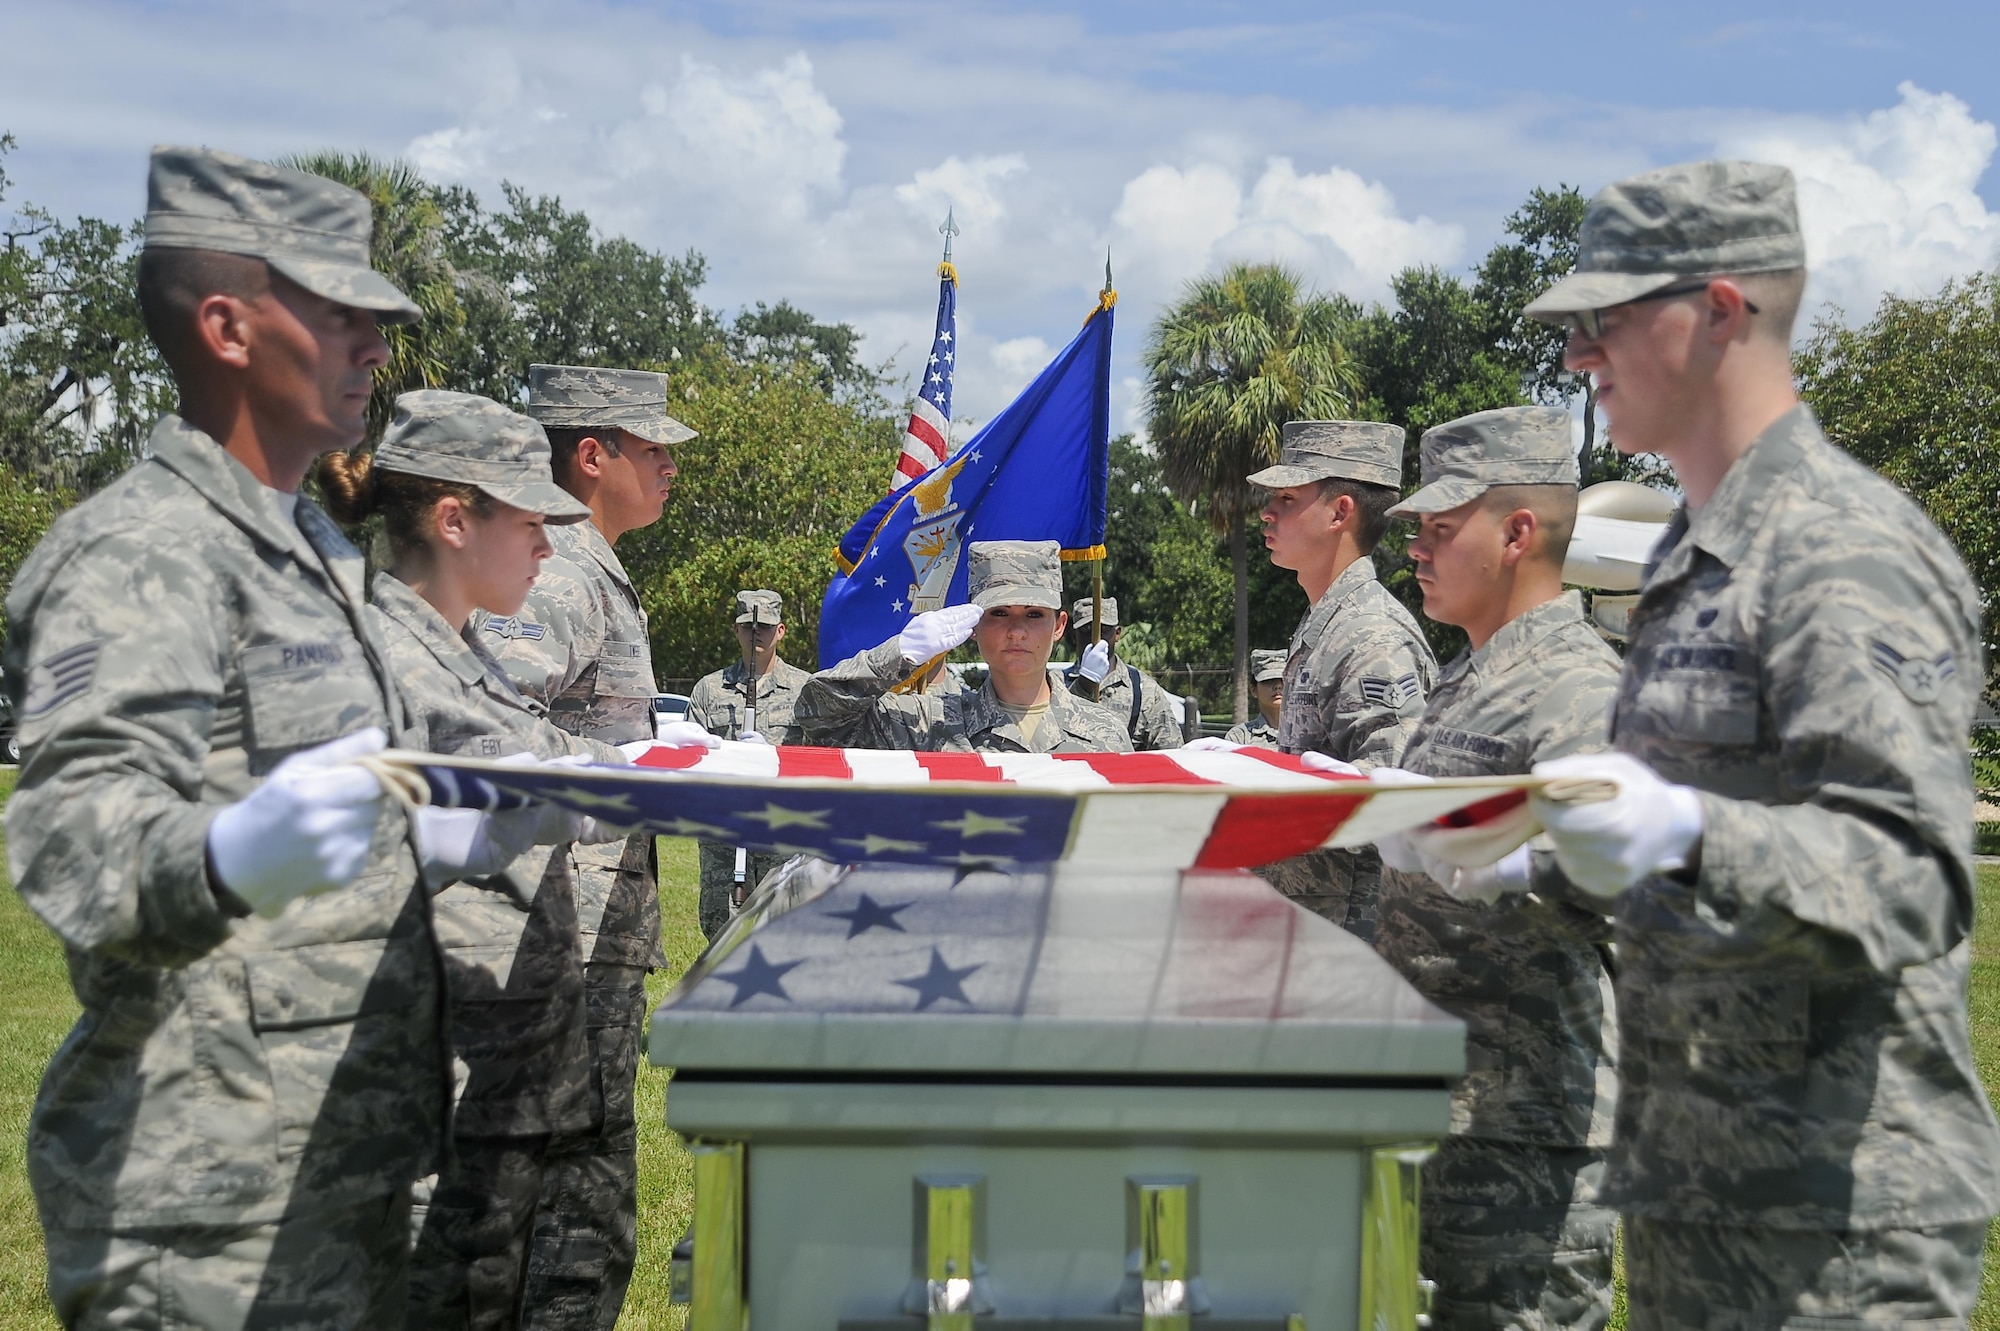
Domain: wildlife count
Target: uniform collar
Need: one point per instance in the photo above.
(1342, 589)
(1520, 636)
(310, 536)
(195, 457)
(1727, 524)
(398, 600)
(592, 540)
(779, 675)
(982, 711)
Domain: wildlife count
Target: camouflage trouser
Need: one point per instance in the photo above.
(472, 1232)
(1344, 886)
(586, 1229)
(342, 1267)
(718, 882)
(1514, 1237)
(1745, 1279)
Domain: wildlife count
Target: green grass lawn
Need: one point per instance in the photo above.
(34, 993)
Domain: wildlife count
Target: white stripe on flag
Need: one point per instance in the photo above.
(889, 767)
(1133, 831)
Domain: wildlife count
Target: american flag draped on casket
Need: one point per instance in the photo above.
(1174, 810)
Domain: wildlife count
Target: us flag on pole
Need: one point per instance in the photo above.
(927, 438)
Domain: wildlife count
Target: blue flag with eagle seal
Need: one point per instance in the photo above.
(1037, 472)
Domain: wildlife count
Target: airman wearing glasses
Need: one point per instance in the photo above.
(1801, 1136)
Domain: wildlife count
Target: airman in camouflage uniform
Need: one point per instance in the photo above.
(851, 704)
(1801, 1135)
(513, 973)
(1267, 687)
(579, 647)
(719, 703)
(1152, 715)
(1513, 1230)
(1358, 670)
(229, 1134)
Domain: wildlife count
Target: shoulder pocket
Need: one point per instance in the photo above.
(299, 694)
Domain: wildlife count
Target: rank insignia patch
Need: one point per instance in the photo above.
(1392, 693)
(57, 679)
(1920, 678)
(513, 626)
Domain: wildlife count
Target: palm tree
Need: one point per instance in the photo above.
(1240, 354)
(407, 248)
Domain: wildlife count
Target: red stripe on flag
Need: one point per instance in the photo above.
(1263, 829)
(672, 759)
(957, 767)
(910, 465)
(1137, 769)
(1473, 814)
(923, 430)
(1291, 762)
(807, 760)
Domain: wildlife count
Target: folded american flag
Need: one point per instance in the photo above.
(1174, 810)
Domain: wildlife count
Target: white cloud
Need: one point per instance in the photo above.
(1888, 200)
(1343, 232)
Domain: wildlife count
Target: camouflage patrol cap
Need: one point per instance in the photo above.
(1366, 451)
(581, 396)
(1267, 664)
(475, 441)
(1082, 614)
(306, 227)
(1699, 219)
(1465, 458)
(765, 607)
(1014, 573)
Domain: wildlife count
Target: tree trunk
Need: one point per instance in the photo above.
(1239, 563)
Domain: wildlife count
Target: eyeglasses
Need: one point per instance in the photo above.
(1589, 324)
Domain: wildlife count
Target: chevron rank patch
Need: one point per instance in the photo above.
(1920, 678)
(1391, 693)
(57, 679)
(513, 626)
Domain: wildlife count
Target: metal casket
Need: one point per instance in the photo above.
(1066, 1098)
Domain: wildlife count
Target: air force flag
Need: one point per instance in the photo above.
(1037, 472)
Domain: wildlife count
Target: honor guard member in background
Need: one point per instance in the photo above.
(1152, 715)
(723, 704)
(1801, 1135)
(229, 1135)
(1359, 668)
(579, 648)
(1015, 616)
(1267, 690)
(463, 489)
(1513, 1229)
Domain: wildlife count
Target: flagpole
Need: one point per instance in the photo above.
(1097, 565)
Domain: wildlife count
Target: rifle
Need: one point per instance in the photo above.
(750, 672)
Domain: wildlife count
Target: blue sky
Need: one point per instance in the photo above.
(809, 149)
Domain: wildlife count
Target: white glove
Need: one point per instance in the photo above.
(1210, 744)
(1096, 662)
(467, 843)
(1319, 762)
(936, 632)
(1650, 826)
(683, 735)
(753, 737)
(1398, 850)
(306, 830)
(636, 749)
(1513, 873)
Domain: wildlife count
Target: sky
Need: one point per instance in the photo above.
(810, 148)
